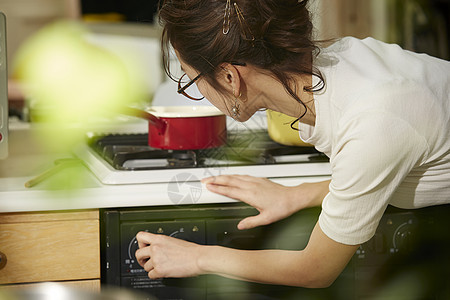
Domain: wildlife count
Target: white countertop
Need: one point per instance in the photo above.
(14, 197)
(86, 191)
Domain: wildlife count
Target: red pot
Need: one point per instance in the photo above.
(184, 127)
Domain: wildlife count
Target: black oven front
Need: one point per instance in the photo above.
(409, 254)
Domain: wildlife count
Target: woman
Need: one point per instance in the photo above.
(380, 113)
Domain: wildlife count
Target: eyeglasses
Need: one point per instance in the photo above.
(182, 89)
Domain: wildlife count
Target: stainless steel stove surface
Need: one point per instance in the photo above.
(127, 158)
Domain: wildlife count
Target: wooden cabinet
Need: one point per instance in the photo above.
(50, 246)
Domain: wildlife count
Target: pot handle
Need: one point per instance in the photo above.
(154, 120)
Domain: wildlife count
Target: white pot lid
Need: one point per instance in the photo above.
(184, 111)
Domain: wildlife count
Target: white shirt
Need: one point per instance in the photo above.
(384, 121)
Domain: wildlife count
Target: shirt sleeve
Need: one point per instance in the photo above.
(372, 153)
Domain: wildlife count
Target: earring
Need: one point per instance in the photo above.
(235, 109)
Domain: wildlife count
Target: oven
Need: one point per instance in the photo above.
(408, 258)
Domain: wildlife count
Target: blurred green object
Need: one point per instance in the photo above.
(70, 83)
(71, 78)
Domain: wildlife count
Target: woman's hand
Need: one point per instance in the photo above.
(163, 256)
(273, 201)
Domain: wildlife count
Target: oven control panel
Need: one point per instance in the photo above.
(407, 244)
(135, 277)
(394, 237)
(193, 231)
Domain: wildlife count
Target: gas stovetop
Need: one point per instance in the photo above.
(127, 159)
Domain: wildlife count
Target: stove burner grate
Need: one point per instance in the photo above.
(131, 152)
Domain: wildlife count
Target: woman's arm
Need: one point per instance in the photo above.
(318, 265)
(273, 201)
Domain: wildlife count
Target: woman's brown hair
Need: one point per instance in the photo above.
(282, 32)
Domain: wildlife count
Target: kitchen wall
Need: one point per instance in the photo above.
(400, 21)
(417, 25)
(359, 18)
(422, 26)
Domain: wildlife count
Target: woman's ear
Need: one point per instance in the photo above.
(230, 78)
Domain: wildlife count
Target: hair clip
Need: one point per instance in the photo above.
(247, 33)
(226, 18)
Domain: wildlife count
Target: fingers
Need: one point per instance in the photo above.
(153, 274)
(143, 253)
(228, 179)
(144, 238)
(252, 222)
(143, 256)
(232, 192)
(240, 187)
(148, 266)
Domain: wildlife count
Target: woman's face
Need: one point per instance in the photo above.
(223, 101)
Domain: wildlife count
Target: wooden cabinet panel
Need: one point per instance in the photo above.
(52, 247)
(10, 218)
(85, 285)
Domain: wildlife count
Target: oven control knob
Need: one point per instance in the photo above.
(403, 237)
(178, 233)
(188, 233)
(133, 246)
